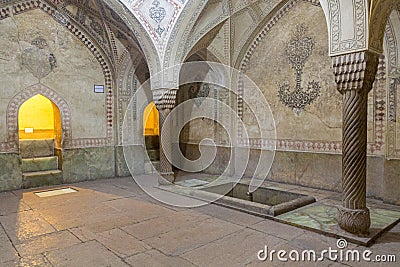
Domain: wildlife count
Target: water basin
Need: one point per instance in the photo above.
(263, 201)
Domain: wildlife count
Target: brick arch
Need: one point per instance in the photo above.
(27, 93)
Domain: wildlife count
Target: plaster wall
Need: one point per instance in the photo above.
(28, 42)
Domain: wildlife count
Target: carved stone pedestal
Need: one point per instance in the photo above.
(353, 220)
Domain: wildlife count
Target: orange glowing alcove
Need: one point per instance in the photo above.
(39, 118)
(151, 120)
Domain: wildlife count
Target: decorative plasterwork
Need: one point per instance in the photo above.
(157, 17)
(24, 6)
(127, 85)
(298, 51)
(174, 51)
(90, 18)
(130, 29)
(393, 84)
(379, 14)
(332, 147)
(359, 41)
(38, 59)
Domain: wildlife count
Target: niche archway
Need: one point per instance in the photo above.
(29, 92)
(151, 131)
(39, 118)
(151, 120)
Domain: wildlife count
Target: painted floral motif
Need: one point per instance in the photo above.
(298, 51)
(157, 13)
(37, 59)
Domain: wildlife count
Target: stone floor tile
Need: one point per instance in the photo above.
(138, 210)
(7, 251)
(155, 258)
(86, 254)
(82, 233)
(236, 249)
(119, 220)
(70, 216)
(30, 261)
(229, 215)
(10, 203)
(121, 243)
(317, 242)
(185, 239)
(24, 225)
(287, 247)
(111, 187)
(48, 242)
(158, 226)
(278, 229)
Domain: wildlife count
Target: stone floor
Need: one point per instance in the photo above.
(114, 223)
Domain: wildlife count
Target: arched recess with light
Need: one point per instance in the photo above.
(151, 131)
(62, 132)
(39, 118)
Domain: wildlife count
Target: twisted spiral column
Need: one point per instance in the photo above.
(165, 102)
(354, 75)
(165, 140)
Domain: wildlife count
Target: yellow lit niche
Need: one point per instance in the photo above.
(151, 120)
(39, 118)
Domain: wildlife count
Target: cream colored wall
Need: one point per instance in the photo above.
(73, 78)
(269, 67)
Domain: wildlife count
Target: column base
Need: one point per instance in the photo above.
(354, 221)
(166, 178)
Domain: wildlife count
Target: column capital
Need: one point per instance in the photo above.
(164, 98)
(355, 71)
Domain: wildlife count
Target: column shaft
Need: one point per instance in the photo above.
(354, 75)
(165, 140)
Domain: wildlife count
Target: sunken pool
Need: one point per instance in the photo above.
(263, 201)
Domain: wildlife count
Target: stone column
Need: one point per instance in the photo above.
(354, 75)
(165, 102)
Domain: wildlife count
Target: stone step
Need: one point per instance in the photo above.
(40, 164)
(151, 167)
(42, 178)
(35, 148)
(152, 142)
(154, 154)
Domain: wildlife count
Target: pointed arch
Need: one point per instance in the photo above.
(20, 98)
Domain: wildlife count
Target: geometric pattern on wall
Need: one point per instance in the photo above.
(24, 6)
(358, 42)
(127, 85)
(393, 83)
(332, 147)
